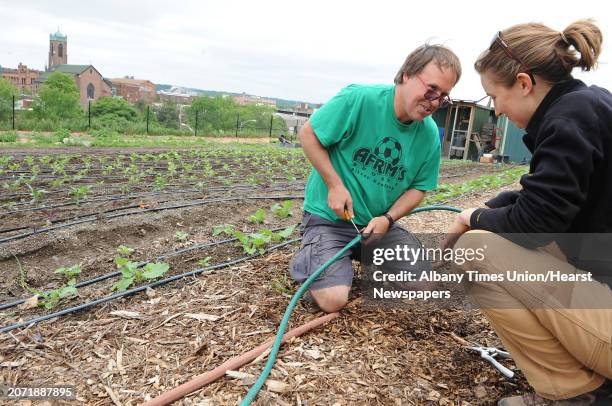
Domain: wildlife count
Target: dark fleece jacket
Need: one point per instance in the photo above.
(569, 185)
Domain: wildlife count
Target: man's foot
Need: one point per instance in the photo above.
(601, 396)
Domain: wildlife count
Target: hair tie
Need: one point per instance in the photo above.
(564, 38)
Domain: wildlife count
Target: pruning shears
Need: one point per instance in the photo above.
(489, 354)
(347, 216)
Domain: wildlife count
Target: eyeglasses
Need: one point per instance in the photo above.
(431, 95)
(498, 40)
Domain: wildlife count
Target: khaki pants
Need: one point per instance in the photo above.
(559, 334)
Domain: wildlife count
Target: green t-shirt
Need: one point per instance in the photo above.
(377, 157)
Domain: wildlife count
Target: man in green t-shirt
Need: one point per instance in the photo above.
(375, 151)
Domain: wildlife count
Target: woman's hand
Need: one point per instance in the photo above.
(460, 226)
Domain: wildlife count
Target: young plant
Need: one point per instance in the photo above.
(227, 229)
(80, 192)
(131, 273)
(71, 272)
(50, 299)
(57, 182)
(125, 251)
(204, 262)
(37, 194)
(160, 183)
(258, 217)
(282, 210)
(181, 236)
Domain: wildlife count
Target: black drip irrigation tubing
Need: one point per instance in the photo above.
(83, 216)
(93, 187)
(91, 174)
(121, 196)
(109, 199)
(49, 170)
(141, 195)
(142, 211)
(129, 292)
(109, 275)
(135, 196)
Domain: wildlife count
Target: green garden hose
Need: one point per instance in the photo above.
(252, 393)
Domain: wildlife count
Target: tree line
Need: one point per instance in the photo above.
(57, 106)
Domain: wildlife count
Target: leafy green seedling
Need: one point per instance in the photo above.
(130, 273)
(51, 299)
(125, 251)
(282, 210)
(57, 182)
(286, 232)
(258, 217)
(159, 183)
(37, 194)
(204, 262)
(70, 272)
(80, 192)
(181, 236)
(227, 229)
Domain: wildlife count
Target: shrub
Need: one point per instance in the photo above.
(10, 136)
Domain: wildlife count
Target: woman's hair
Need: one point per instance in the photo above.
(542, 51)
(420, 57)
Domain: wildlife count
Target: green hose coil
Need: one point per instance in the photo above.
(252, 393)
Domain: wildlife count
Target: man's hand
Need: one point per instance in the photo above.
(337, 199)
(378, 226)
(460, 226)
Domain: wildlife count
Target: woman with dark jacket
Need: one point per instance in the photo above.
(558, 328)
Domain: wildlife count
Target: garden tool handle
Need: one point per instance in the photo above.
(502, 354)
(505, 371)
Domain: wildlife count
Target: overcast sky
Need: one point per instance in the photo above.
(288, 49)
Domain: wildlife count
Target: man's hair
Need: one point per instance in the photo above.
(550, 54)
(420, 57)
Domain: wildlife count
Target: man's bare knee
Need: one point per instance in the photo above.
(331, 299)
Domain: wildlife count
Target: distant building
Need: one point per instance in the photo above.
(306, 108)
(58, 50)
(88, 80)
(23, 78)
(245, 99)
(133, 90)
(175, 95)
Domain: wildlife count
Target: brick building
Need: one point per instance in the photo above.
(88, 80)
(23, 78)
(91, 84)
(133, 90)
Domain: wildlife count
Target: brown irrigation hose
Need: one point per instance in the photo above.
(234, 363)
